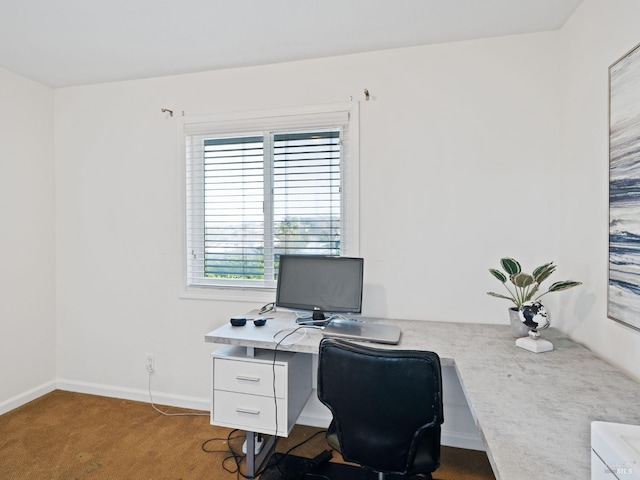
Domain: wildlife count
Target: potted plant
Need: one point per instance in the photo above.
(525, 287)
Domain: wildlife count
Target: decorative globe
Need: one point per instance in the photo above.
(533, 315)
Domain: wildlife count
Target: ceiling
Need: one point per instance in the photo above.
(63, 43)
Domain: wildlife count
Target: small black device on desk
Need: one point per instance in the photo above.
(242, 321)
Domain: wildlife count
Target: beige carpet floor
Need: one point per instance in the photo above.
(72, 436)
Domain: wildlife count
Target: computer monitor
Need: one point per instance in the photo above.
(320, 284)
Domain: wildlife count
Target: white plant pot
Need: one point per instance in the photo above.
(518, 329)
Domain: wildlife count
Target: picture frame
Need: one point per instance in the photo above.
(623, 299)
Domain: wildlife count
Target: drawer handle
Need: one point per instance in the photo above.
(247, 410)
(247, 378)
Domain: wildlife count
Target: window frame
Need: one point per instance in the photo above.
(238, 123)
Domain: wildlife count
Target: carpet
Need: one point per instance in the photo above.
(291, 467)
(74, 436)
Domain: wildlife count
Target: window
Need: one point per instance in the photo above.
(264, 185)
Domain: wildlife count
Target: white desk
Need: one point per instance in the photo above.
(533, 411)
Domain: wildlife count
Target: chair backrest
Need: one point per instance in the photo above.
(385, 403)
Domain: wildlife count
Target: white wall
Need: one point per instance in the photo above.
(27, 242)
(470, 151)
(450, 137)
(596, 36)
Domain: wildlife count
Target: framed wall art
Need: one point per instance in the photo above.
(624, 190)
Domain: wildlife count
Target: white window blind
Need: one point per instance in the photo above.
(233, 207)
(306, 192)
(253, 194)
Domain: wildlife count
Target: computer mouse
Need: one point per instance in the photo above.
(238, 321)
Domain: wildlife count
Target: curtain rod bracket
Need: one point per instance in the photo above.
(166, 110)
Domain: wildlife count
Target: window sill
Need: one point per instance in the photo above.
(259, 296)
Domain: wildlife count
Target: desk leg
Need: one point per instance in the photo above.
(254, 462)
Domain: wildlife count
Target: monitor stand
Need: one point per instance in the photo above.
(317, 318)
(366, 331)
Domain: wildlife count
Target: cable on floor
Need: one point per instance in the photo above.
(185, 414)
(237, 457)
(287, 453)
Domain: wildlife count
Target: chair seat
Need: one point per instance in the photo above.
(426, 454)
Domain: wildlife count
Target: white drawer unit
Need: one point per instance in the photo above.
(254, 378)
(247, 395)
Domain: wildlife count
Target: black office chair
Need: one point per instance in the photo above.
(386, 406)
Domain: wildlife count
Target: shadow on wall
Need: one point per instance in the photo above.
(583, 308)
(374, 301)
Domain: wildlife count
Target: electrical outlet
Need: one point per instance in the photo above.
(150, 363)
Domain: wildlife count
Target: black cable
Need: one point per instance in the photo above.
(232, 455)
(267, 308)
(237, 457)
(278, 461)
(273, 368)
(228, 439)
(285, 454)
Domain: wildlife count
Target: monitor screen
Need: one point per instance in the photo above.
(320, 284)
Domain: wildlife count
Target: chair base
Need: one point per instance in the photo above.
(286, 467)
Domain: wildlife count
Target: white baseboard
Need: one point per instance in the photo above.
(461, 440)
(138, 395)
(314, 414)
(320, 421)
(26, 397)
(450, 439)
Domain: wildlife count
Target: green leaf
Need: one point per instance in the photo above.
(542, 273)
(563, 285)
(530, 295)
(522, 280)
(498, 274)
(510, 265)
(494, 294)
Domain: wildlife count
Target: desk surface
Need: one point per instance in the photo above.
(534, 411)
